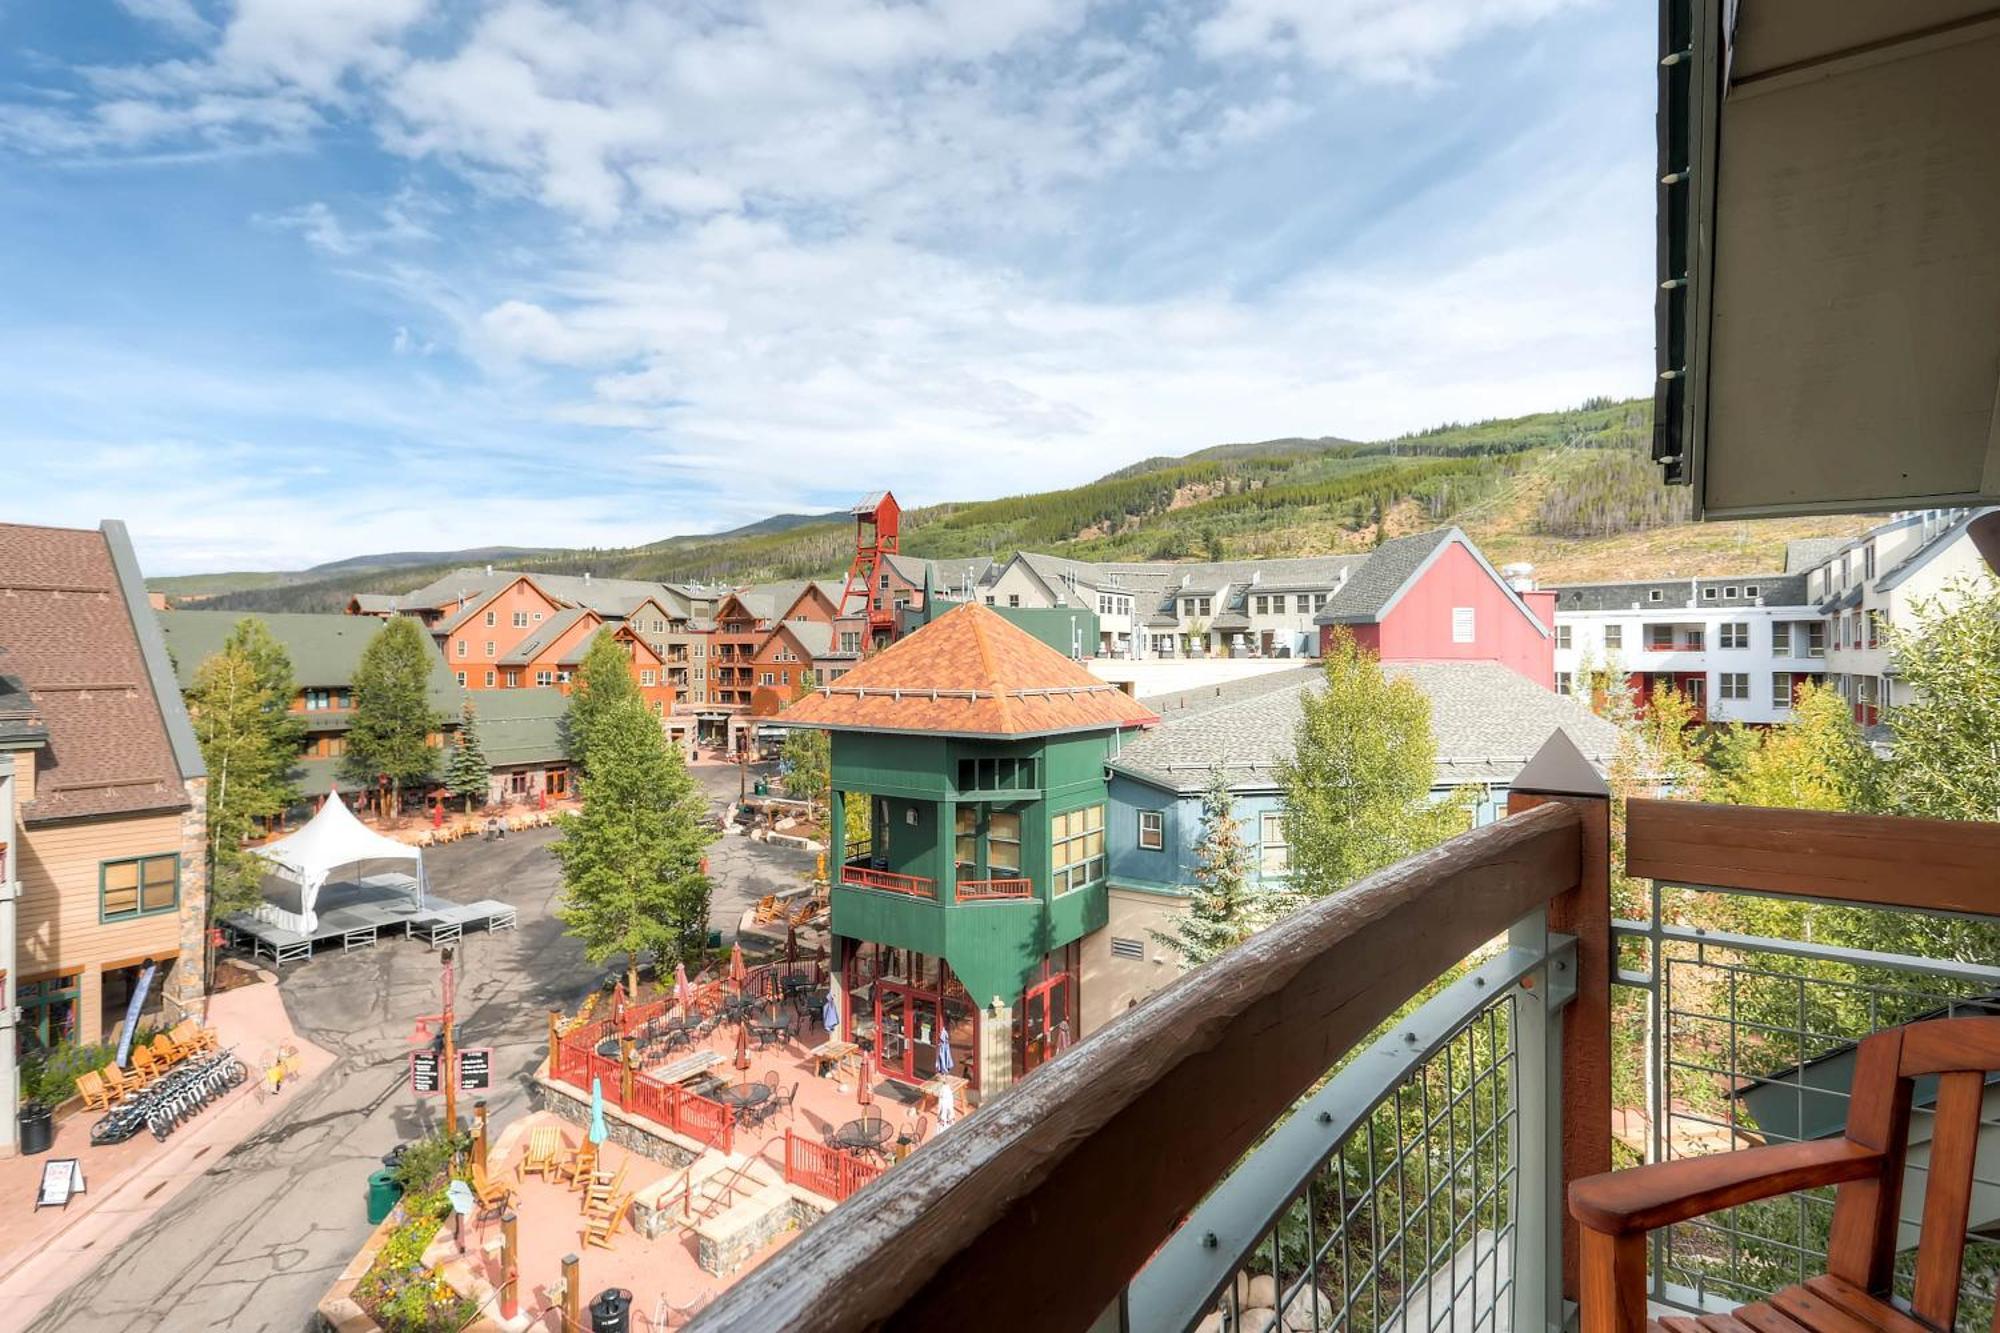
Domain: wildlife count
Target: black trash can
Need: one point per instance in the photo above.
(611, 1312)
(38, 1127)
(394, 1157)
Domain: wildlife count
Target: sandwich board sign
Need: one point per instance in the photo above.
(475, 1069)
(424, 1080)
(61, 1178)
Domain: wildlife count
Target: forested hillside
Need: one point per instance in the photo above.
(1569, 490)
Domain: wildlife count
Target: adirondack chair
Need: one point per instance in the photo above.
(491, 1194)
(1617, 1209)
(168, 1051)
(193, 1036)
(601, 1188)
(542, 1158)
(580, 1165)
(123, 1083)
(600, 1224)
(150, 1066)
(97, 1096)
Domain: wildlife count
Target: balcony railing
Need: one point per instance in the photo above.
(1366, 1116)
(863, 876)
(994, 890)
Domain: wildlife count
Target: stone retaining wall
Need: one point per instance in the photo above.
(628, 1131)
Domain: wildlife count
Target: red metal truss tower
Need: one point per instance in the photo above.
(877, 521)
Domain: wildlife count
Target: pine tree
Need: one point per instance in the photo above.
(240, 704)
(1358, 783)
(604, 683)
(1223, 910)
(393, 718)
(632, 859)
(807, 761)
(469, 775)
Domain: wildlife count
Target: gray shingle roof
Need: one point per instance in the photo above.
(557, 625)
(1772, 590)
(1488, 722)
(1372, 587)
(1803, 553)
(1923, 555)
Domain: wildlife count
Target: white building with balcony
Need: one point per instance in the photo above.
(1738, 647)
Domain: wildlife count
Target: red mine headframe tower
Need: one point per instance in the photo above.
(877, 520)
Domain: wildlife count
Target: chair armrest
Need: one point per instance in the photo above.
(1644, 1198)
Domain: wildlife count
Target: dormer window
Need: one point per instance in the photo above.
(1707, 595)
(1655, 595)
(1729, 594)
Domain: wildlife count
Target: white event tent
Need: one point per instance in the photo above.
(331, 840)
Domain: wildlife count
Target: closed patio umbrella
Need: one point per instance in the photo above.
(861, 1086)
(738, 974)
(683, 992)
(597, 1132)
(742, 1045)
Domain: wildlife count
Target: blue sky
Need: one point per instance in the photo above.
(287, 280)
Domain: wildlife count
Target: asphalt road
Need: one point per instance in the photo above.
(255, 1243)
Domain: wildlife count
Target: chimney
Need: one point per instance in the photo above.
(489, 571)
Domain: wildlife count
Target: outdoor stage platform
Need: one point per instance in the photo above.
(357, 912)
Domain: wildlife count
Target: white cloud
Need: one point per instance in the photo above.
(179, 16)
(1387, 41)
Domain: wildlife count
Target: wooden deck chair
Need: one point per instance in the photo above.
(120, 1082)
(578, 1165)
(543, 1157)
(96, 1094)
(168, 1051)
(150, 1066)
(193, 1036)
(491, 1194)
(600, 1189)
(601, 1225)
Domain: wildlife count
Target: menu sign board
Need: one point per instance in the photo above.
(475, 1069)
(424, 1080)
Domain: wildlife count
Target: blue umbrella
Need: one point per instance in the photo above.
(598, 1133)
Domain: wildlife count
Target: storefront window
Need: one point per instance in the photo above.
(48, 1012)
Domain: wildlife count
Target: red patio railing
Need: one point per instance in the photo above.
(866, 877)
(576, 1061)
(825, 1171)
(993, 890)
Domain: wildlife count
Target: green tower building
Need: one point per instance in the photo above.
(972, 755)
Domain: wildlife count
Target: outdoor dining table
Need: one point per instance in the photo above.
(767, 1032)
(740, 1097)
(865, 1135)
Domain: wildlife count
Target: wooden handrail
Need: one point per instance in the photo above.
(1125, 1132)
(994, 890)
(1925, 864)
(864, 877)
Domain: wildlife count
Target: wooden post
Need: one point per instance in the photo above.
(555, 1038)
(625, 1072)
(510, 1264)
(572, 1313)
(1560, 775)
(479, 1133)
(450, 1071)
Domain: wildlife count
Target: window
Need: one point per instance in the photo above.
(1461, 624)
(538, 617)
(1078, 839)
(1660, 638)
(1563, 636)
(1124, 948)
(48, 1011)
(1816, 639)
(489, 649)
(1875, 619)
(1274, 855)
(1868, 561)
(1735, 685)
(513, 680)
(318, 701)
(1152, 830)
(1013, 599)
(1564, 682)
(1781, 689)
(764, 678)
(850, 639)
(1654, 595)
(520, 620)
(1003, 844)
(1734, 634)
(545, 678)
(1749, 590)
(648, 679)
(492, 619)
(461, 647)
(1729, 593)
(785, 676)
(1695, 639)
(461, 678)
(489, 680)
(989, 599)
(1708, 594)
(1614, 636)
(143, 886)
(1196, 606)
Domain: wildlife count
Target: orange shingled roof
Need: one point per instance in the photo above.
(970, 672)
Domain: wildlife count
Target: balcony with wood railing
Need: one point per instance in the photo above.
(1367, 1116)
(857, 873)
(994, 890)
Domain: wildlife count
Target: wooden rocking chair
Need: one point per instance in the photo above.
(1617, 1209)
(493, 1196)
(600, 1224)
(96, 1095)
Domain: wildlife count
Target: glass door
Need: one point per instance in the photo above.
(892, 1025)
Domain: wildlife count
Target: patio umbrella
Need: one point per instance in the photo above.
(683, 993)
(742, 1045)
(861, 1085)
(947, 1106)
(597, 1133)
(737, 973)
(944, 1053)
